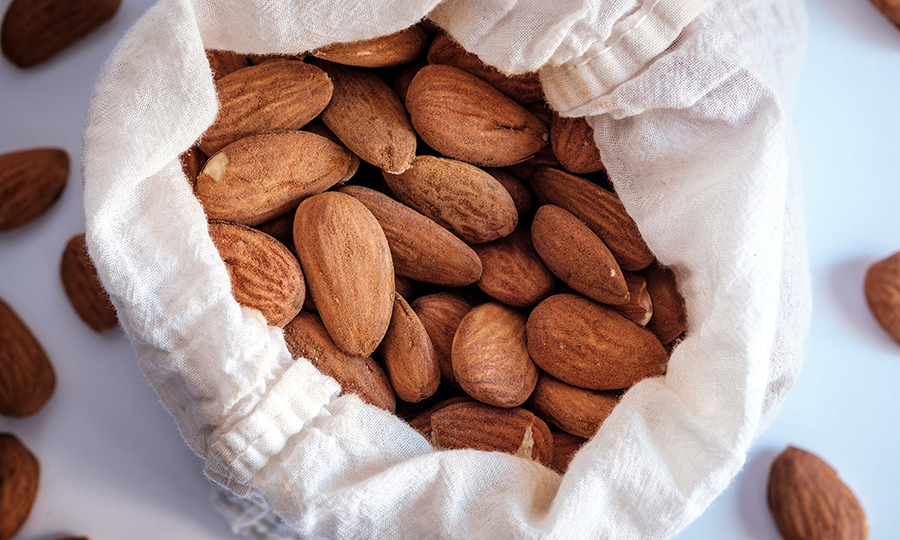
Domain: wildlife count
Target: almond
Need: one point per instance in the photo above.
(83, 287)
(222, 63)
(809, 501)
(35, 30)
(27, 379)
(422, 421)
(482, 427)
(19, 480)
(890, 9)
(517, 190)
(404, 287)
(639, 308)
(273, 96)
(490, 356)
(192, 161)
(544, 158)
(347, 262)
(400, 84)
(306, 337)
(441, 314)
(575, 410)
(572, 140)
(599, 209)
(280, 228)
(391, 50)
(408, 355)
(319, 128)
(591, 346)
(513, 273)
(669, 318)
(882, 289)
(577, 256)
(465, 118)
(263, 176)
(30, 182)
(420, 248)
(565, 446)
(458, 196)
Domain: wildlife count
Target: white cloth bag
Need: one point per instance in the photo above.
(688, 102)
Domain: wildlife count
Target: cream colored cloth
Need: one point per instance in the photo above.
(689, 114)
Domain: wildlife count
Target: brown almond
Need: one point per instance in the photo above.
(441, 314)
(457, 196)
(591, 346)
(882, 289)
(263, 176)
(273, 96)
(30, 182)
(575, 410)
(524, 88)
(544, 158)
(36, 30)
(265, 275)
(319, 128)
(599, 209)
(258, 59)
(565, 446)
(19, 481)
(27, 379)
(408, 355)
(639, 308)
(517, 190)
(222, 63)
(280, 228)
(572, 140)
(809, 501)
(347, 263)
(669, 318)
(192, 161)
(404, 287)
(422, 421)
(368, 117)
(306, 337)
(482, 427)
(512, 272)
(83, 287)
(890, 9)
(490, 356)
(391, 50)
(400, 84)
(465, 118)
(577, 256)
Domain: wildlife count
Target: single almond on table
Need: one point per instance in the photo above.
(408, 355)
(577, 256)
(273, 96)
(882, 289)
(306, 337)
(441, 314)
(347, 262)
(490, 356)
(669, 318)
(591, 346)
(420, 248)
(263, 176)
(572, 140)
(513, 273)
(457, 196)
(475, 425)
(391, 50)
(30, 182)
(36, 30)
(19, 480)
(83, 287)
(639, 308)
(27, 379)
(265, 275)
(575, 410)
(222, 63)
(465, 118)
(565, 446)
(809, 501)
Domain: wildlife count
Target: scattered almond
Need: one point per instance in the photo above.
(83, 287)
(19, 480)
(30, 182)
(27, 379)
(882, 289)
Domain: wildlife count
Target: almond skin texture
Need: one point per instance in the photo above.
(391, 50)
(281, 95)
(224, 62)
(263, 176)
(368, 117)
(669, 318)
(465, 118)
(524, 88)
(319, 128)
(306, 337)
(809, 501)
(490, 356)
(441, 314)
(35, 30)
(422, 421)
(19, 480)
(565, 446)
(265, 275)
(408, 355)
(882, 288)
(575, 410)
(577, 256)
(83, 287)
(482, 427)
(587, 345)
(347, 262)
(599, 209)
(460, 197)
(517, 190)
(27, 379)
(420, 248)
(513, 273)
(30, 182)
(572, 140)
(639, 308)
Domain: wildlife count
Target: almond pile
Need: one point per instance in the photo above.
(430, 234)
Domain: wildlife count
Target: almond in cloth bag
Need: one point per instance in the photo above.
(687, 103)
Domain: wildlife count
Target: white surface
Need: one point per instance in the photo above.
(149, 485)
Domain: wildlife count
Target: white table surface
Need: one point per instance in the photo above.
(115, 467)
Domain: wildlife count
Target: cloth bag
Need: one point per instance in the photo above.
(687, 99)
